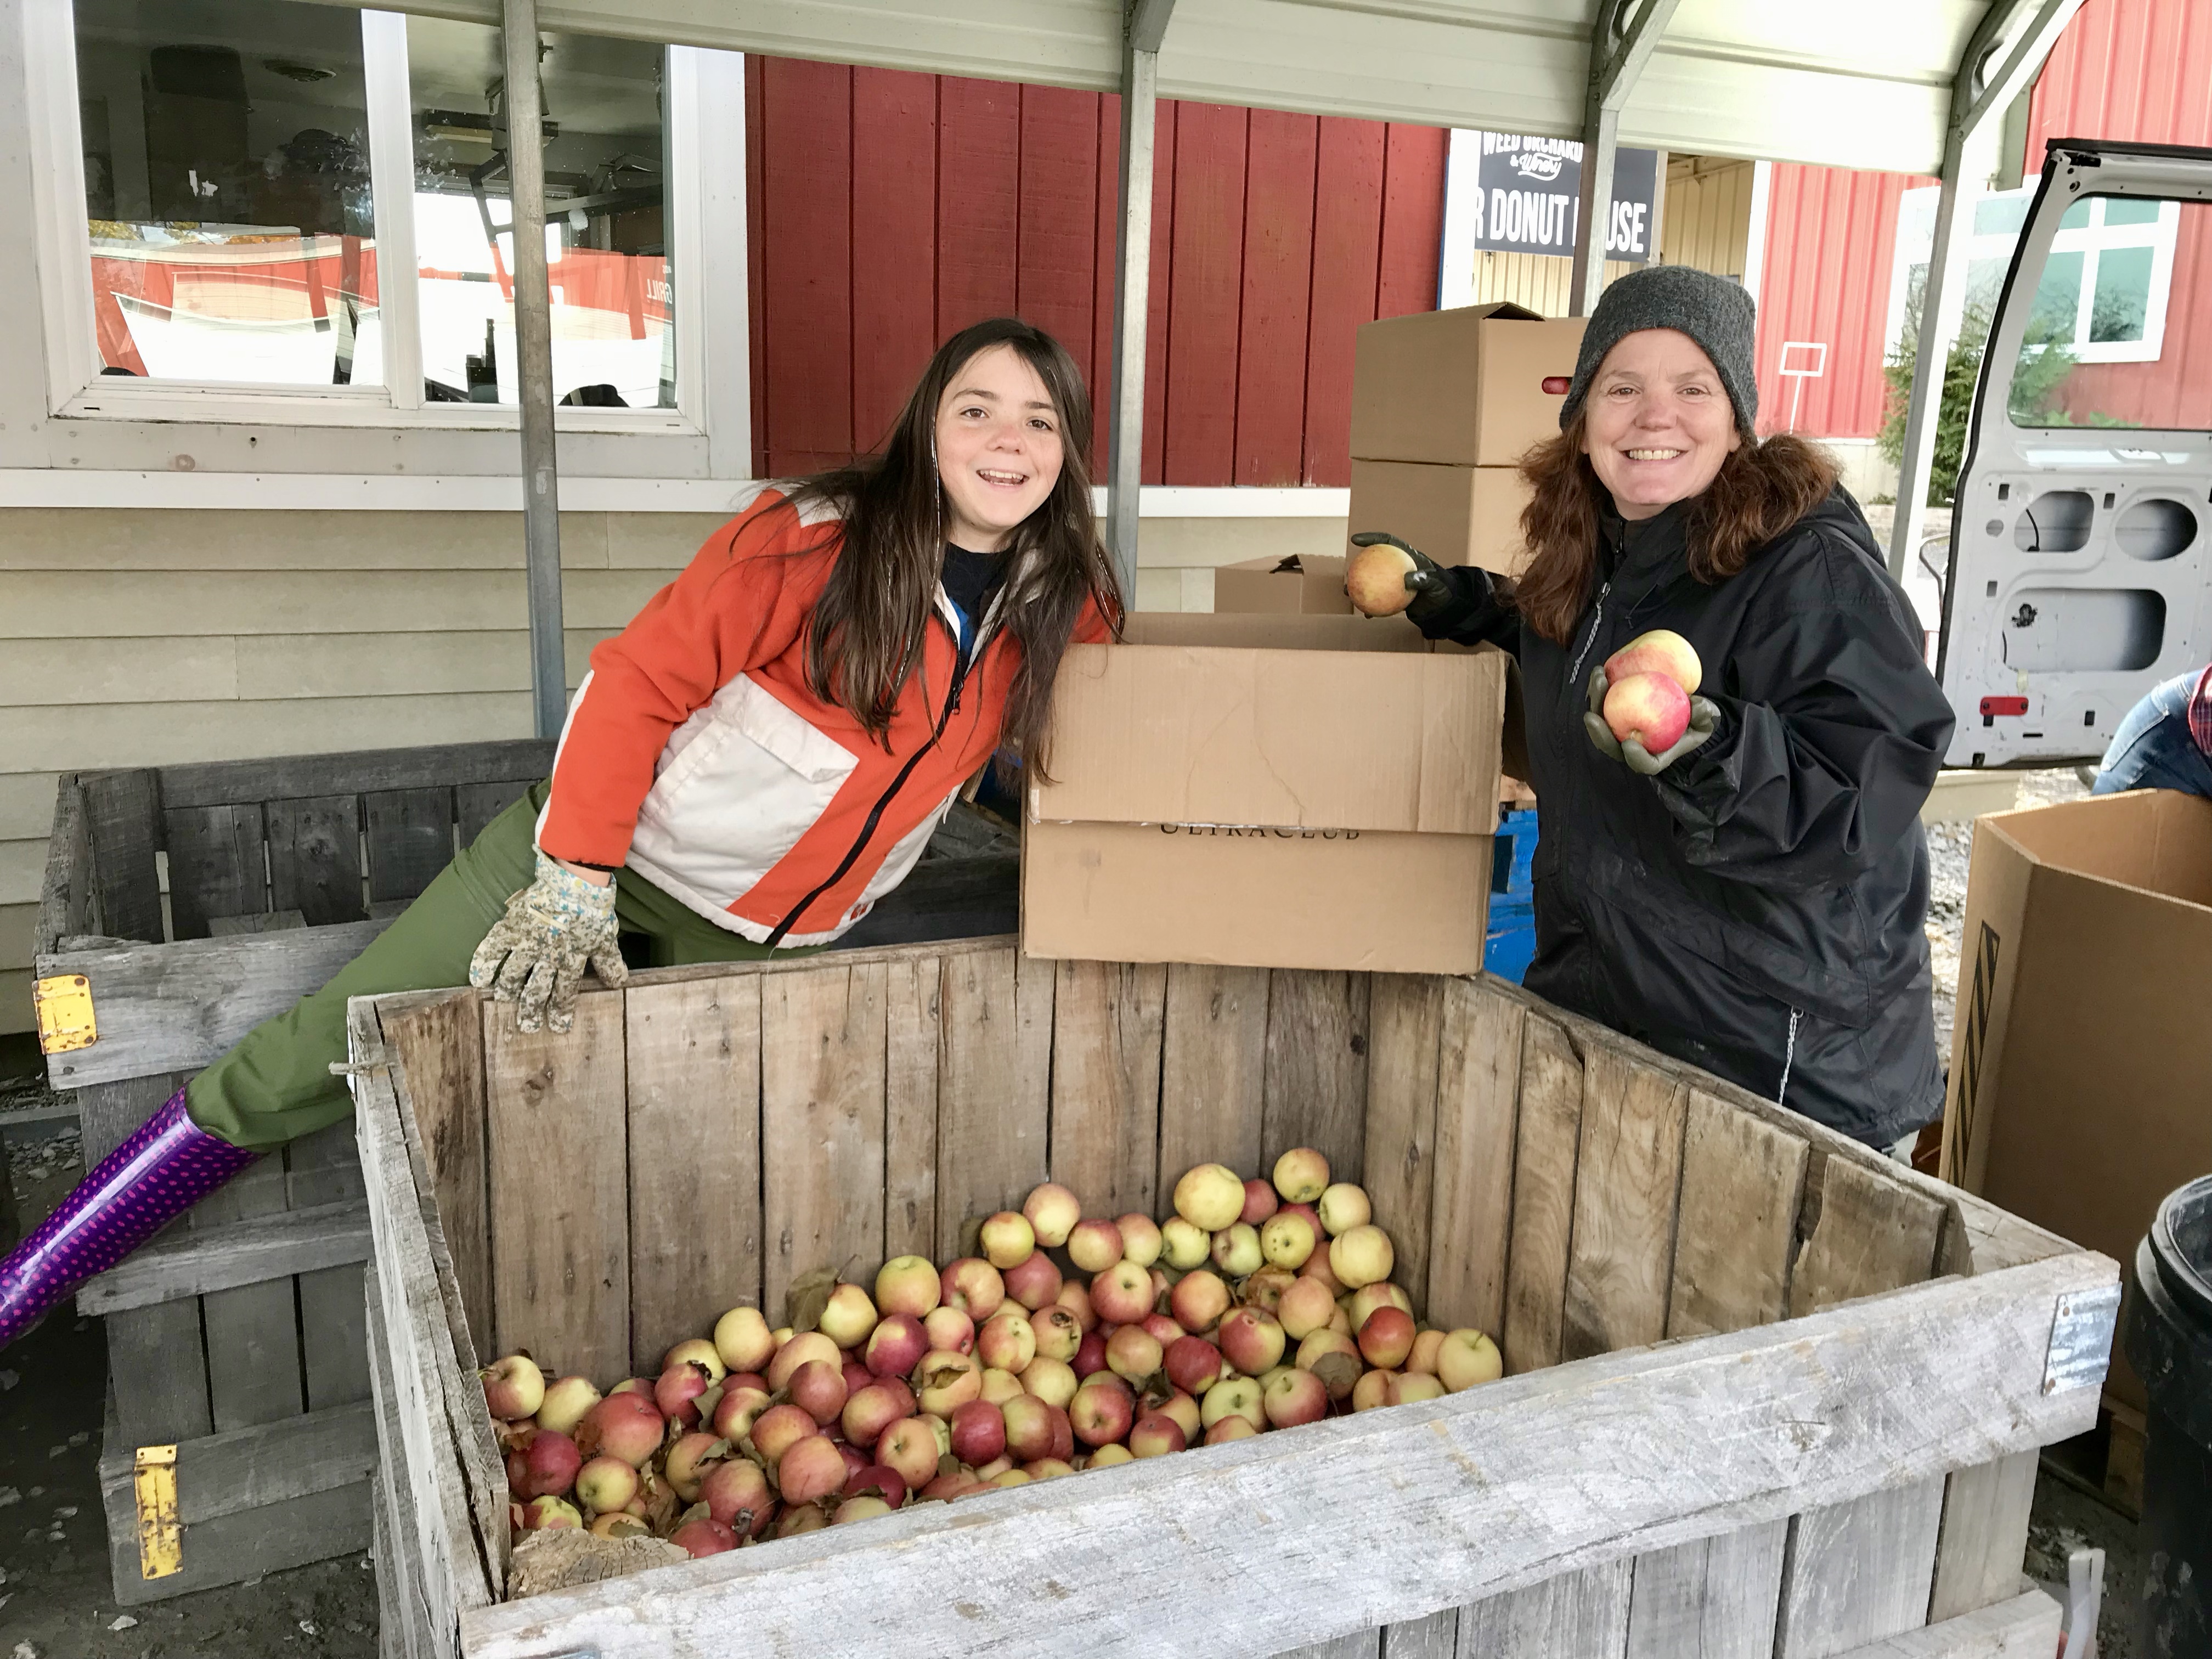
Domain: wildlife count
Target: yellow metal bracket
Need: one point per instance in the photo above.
(65, 1017)
(160, 1536)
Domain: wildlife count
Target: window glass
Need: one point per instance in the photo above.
(226, 164)
(2001, 215)
(2119, 311)
(606, 226)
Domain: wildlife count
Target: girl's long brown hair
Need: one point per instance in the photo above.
(1762, 488)
(873, 615)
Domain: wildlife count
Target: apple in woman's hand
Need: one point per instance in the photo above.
(1661, 651)
(1651, 708)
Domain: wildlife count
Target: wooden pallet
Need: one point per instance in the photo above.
(1833, 1455)
(2108, 1462)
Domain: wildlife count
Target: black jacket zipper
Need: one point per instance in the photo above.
(961, 664)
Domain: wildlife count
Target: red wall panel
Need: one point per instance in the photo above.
(888, 209)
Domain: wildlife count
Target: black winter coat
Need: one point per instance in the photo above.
(1758, 909)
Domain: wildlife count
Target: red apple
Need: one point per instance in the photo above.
(907, 1285)
(677, 1393)
(1234, 1396)
(1260, 1202)
(606, 1483)
(1192, 1364)
(817, 1388)
(857, 1509)
(780, 1428)
(1306, 1307)
(1368, 1297)
(1075, 1296)
(514, 1386)
(703, 1537)
(855, 1459)
(1101, 1413)
(1228, 1429)
(1288, 1239)
(633, 1385)
(1661, 651)
(1006, 1239)
(545, 1467)
(618, 1525)
(736, 1410)
(1184, 1410)
(1096, 1245)
(1048, 1468)
(1237, 1250)
(800, 1518)
(1027, 1427)
(1295, 1397)
(1198, 1301)
(950, 1330)
(911, 1446)
(1156, 1434)
(1264, 1289)
(1052, 1211)
(973, 1285)
(1343, 1207)
(870, 1411)
(1001, 1386)
(882, 1480)
(744, 1339)
(848, 1316)
(1057, 1332)
(565, 1403)
(806, 1347)
(810, 1469)
(1252, 1340)
(857, 1375)
(1372, 1390)
(1050, 1379)
(897, 1345)
(1122, 1295)
(1090, 1355)
(689, 1459)
(735, 1493)
(1184, 1245)
(1008, 1341)
(947, 1381)
(1650, 708)
(1161, 1328)
(551, 1514)
(695, 1350)
(1033, 1281)
(979, 1432)
(625, 1425)
(1140, 1238)
(1301, 1174)
(1133, 1352)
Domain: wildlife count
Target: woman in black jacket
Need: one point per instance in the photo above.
(1752, 899)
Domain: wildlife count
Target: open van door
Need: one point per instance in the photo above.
(2079, 575)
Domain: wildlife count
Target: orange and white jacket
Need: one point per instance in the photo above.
(695, 753)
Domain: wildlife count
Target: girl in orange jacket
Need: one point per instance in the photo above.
(748, 767)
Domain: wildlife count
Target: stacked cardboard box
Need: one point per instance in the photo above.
(1310, 585)
(1443, 406)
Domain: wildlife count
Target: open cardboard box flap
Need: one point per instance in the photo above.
(1290, 721)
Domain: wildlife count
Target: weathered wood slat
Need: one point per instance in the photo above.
(65, 896)
(250, 1468)
(410, 838)
(122, 821)
(559, 1201)
(217, 865)
(179, 1007)
(1474, 1480)
(263, 1247)
(1874, 1233)
(324, 1168)
(223, 783)
(1316, 1069)
(1361, 1645)
(232, 1548)
(1478, 1105)
(1621, 1264)
(438, 1044)
(1405, 1016)
(992, 1099)
(266, 921)
(693, 1053)
(1547, 1136)
(1108, 1027)
(252, 1331)
(942, 899)
(1859, 1571)
(424, 1483)
(822, 1036)
(315, 858)
(2025, 1627)
(1984, 1535)
(1436, 1637)
(1743, 1181)
(1713, 1599)
(913, 1020)
(1213, 1040)
(157, 1372)
(475, 805)
(1577, 1615)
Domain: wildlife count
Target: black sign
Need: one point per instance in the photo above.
(1530, 198)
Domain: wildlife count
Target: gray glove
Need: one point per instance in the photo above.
(536, 954)
(1440, 596)
(1704, 720)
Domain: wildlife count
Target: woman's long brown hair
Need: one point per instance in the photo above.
(1762, 488)
(873, 615)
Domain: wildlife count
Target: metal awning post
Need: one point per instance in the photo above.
(2034, 26)
(534, 350)
(1146, 24)
(1620, 46)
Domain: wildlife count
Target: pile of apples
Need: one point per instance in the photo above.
(1069, 1343)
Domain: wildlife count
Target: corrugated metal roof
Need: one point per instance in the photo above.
(1865, 85)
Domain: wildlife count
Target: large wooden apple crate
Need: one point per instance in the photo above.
(1770, 1394)
(194, 901)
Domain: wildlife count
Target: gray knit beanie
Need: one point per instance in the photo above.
(1711, 310)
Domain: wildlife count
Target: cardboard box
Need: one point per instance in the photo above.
(1454, 515)
(1267, 791)
(2081, 1089)
(1310, 584)
(1465, 387)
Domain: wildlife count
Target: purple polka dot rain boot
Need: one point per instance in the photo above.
(168, 1165)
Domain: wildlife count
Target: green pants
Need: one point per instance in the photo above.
(276, 1085)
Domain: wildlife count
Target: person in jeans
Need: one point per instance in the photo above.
(2165, 741)
(755, 761)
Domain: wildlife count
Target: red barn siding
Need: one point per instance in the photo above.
(1831, 248)
(2141, 69)
(889, 209)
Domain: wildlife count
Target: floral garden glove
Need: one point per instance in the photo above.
(1704, 720)
(535, 955)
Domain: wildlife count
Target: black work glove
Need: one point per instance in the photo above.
(1704, 720)
(1444, 600)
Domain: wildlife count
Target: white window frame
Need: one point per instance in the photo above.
(312, 429)
(2088, 240)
